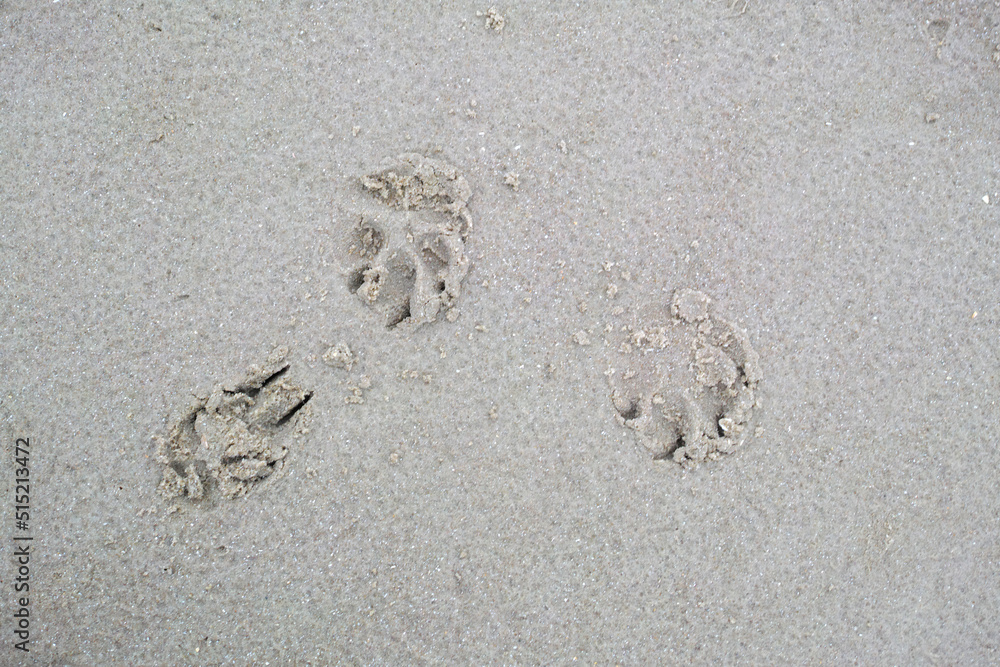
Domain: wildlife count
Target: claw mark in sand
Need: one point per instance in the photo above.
(236, 437)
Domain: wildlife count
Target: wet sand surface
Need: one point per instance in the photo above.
(467, 455)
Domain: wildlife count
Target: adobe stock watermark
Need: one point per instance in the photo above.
(21, 559)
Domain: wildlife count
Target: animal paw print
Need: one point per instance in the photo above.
(236, 437)
(688, 386)
(414, 258)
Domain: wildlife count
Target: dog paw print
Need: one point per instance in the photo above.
(237, 436)
(413, 253)
(688, 385)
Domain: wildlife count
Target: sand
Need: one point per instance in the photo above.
(185, 188)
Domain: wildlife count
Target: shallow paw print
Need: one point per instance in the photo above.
(413, 257)
(694, 411)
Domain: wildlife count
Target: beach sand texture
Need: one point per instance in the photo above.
(606, 333)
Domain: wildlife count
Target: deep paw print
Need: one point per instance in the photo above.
(686, 386)
(236, 437)
(413, 257)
